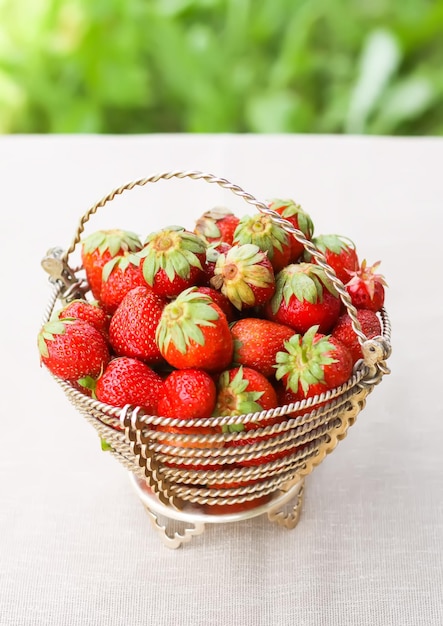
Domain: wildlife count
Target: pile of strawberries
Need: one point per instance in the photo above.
(233, 317)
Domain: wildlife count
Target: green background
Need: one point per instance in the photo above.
(261, 66)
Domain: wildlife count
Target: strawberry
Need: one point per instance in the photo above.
(216, 225)
(88, 312)
(311, 364)
(304, 296)
(187, 394)
(340, 254)
(72, 349)
(213, 251)
(343, 331)
(295, 215)
(119, 276)
(102, 246)
(245, 276)
(270, 237)
(193, 333)
(173, 259)
(367, 288)
(256, 343)
(133, 325)
(219, 299)
(243, 390)
(129, 381)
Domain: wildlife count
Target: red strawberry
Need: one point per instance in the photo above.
(193, 333)
(304, 296)
(219, 299)
(312, 364)
(129, 381)
(218, 224)
(120, 275)
(245, 276)
(212, 253)
(72, 349)
(298, 218)
(102, 246)
(340, 254)
(270, 237)
(187, 394)
(256, 343)
(367, 288)
(370, 325)
(173, 259)
(133, 325)
(243, 390)
(88, 312)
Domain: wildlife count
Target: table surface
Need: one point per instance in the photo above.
(76, 545)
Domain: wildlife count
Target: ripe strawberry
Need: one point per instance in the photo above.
(129, 381)
(311, 364)
(133, 325)
(102, 246)
(219, 299)
(298, 218)
(367, 288)
(343, 331)
(173, 260)
(218, 224)
(72, 349)
(262, 231)
(120, 275)
(256, 343)
(243, 390)
(193, 333)
(304, 296)
(245, 276)
(212, 253)
(340, 254)
(88, 312)
(187, 394)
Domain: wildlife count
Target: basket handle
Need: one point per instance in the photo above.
(225, 184)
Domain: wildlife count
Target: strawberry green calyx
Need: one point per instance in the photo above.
(240, 269)
(206, 225)
(112, 240)
(181, 320)
(333, 243)
(122, 262)
(305, 281)
(262, 231)
(47, 333)
(173, 250)
(303, 360)
(233, 399)
(289, 208)
(90, 383)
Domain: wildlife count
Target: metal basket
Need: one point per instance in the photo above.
(164, 472)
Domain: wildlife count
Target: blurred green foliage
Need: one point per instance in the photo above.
(141, 66)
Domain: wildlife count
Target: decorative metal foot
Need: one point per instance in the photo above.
(174, 533)
(176, 527)
(288, 511)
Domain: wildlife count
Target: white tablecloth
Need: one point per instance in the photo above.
(76, 546)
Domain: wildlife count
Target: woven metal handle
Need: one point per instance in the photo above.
(261, 206)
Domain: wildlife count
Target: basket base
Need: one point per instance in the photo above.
(176, 527)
